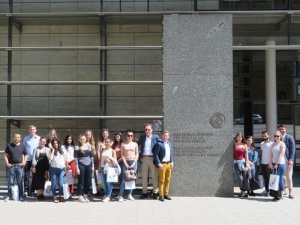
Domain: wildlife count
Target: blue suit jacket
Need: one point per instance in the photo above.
(159, 152)
(141, 142)
(290, 147)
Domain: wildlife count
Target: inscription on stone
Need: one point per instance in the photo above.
(194, 144)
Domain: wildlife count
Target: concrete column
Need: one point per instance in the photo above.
(270, 86)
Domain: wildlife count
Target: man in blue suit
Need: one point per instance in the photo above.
(289, 159)
(147, 141)
(163, 158)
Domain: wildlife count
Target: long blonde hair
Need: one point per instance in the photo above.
(91, 141)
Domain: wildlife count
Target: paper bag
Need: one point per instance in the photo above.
(47, 189)
(94, 188)
(66, 191)
(130, 185)
(112, 175)
(274, 182)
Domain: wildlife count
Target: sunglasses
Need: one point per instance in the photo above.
(129, 135)
(276, 136)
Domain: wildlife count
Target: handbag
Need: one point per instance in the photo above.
(274, 181)
(47, 175)
(130, 175)
(112, 175)
(255, 184)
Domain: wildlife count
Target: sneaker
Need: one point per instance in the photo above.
(7, 199)
(86, 199)
(104, 197)
(106, 200)
(264, 193)
(276, 199)
(120, 199)
(81, 199)
(291, 196)
(130, 198)
(21, 199)
(25, 194)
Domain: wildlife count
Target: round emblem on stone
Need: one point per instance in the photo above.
(217, 120)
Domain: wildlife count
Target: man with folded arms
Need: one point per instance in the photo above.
(15, 157)
(163, 159)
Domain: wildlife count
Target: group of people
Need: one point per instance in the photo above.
(47, 156)
(275, 157)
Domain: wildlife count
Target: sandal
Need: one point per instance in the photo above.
(56, 200)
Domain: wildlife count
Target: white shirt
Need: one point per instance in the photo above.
(266, 152)
(147, 148)
(167, 157)
(69, 152)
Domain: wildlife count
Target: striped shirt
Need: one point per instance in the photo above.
(85, 158)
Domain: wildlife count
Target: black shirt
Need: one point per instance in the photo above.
(15, 153)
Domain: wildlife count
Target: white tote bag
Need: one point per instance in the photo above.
(274, 182)
(47, 189)
(15, 192)
(66, 191)
(130, 185)
(112, 175)
(94, 188)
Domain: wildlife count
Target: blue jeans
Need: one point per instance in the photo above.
(84, 179)
(122, 186)
(56, 173)
(107, 186)
(280, 171)
(15, 171)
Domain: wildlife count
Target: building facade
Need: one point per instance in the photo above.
(73, 65)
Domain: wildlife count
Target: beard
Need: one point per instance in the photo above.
(266, 139)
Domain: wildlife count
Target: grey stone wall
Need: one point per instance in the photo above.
(198, 102)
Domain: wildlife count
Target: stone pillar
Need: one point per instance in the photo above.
(198, 102)
(271, 102)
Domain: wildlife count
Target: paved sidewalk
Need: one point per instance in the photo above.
(180, 210)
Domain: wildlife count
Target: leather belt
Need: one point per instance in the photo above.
(147, 155)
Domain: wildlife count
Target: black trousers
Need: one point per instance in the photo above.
(26, 176)
(265, 171)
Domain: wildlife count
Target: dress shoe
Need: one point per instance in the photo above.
(155, 196)
(161, 198)
(143, 196)
(167, 197)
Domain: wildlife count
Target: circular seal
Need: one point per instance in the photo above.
(217, 120)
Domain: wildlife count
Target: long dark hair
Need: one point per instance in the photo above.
(252, 144)
(115, 141)
(101, 136)
(66, 141)
(240, 134)
(58, 149)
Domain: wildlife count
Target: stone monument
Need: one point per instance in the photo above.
(198, 102)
